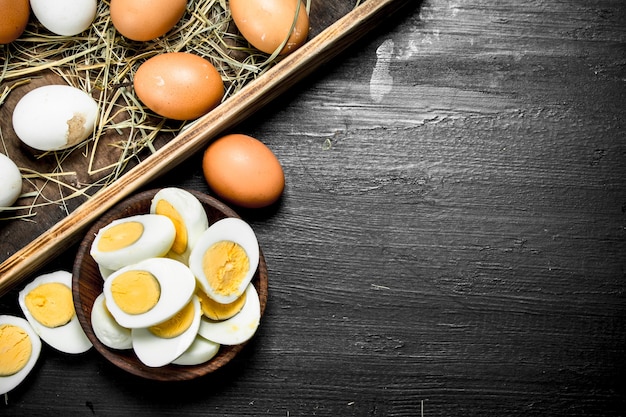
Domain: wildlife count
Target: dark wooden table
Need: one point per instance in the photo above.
(451, 240)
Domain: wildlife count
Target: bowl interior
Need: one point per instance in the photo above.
(87, 284)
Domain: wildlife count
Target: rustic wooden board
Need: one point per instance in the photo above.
(27, 245)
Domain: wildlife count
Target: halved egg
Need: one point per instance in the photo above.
(132, 239)
(160, 344)
(107, 330)
(188, 216)
(237, 329)
(200, 351)
(225, 259)
(148, 292)
(48, 306)
(19, 350)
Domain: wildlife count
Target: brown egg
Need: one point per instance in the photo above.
(14, 16)
(144, 20)
(243, 171)
(179, 85)
(266, 23)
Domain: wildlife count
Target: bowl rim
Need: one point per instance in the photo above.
(126, 359)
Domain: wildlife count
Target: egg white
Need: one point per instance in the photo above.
(177, 284)
(229, 229)
(106, 329)
(192, 212)
(156, 240)
(7, 383)
(155, 351)
(200, 351)
(237, 329)
(69, 338)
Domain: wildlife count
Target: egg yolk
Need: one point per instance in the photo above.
(225, 264)
(51, 304)
(15, 349)
(218, 311)
(176, 325)
(164, 208)
(135, 292)
(120, 236)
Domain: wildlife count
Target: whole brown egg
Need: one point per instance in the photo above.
(14, 16)
(144, 20)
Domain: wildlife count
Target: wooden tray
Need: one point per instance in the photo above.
(25, 246)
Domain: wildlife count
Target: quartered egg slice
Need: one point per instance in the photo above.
(237, 329)
(48, 306)
(225, 259)
(148, 292)
(106, 329)
(19, 350)
(187, 214)
(159, 345)
(132, 239)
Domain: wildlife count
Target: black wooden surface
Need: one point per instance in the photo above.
(451, 240)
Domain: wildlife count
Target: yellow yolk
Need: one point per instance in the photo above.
(135, 292)
(225, 265)
(51, 304)
(218, 311)
(15, 349)
(176, 325)
(120, 236)
(164, 208)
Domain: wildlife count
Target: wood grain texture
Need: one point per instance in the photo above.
(451, 240)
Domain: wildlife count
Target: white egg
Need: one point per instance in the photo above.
(65, 17)
(155, 351)
(238, 328)
(106, 329)
(8, 382)
(54, 117)
(176, 286)
(225, 230)
(69, 337)
(200, 351)
(188, 216)
(11, 181)
(132, 239)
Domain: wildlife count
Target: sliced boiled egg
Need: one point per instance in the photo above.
(218, 311)
(132, 239)
(19, 350)
(225, 259)
(48, 306)
(200, 351)
(188, 216)
(237, 329)
(148, 292)
(162, 343)
(107, 330)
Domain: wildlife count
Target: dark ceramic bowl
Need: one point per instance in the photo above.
(87, 284)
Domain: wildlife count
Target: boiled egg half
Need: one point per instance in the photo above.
(19, 350)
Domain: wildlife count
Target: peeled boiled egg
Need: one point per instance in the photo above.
(200, 351)
(54, 117)
(107, 330)
(178, 85)
(144, 20)
(14, 16)
(237, 329)
(48, 306)
(132, 239)
(19, 350)
(188, 216)
(148, 292)
(225, 259)
(266, 24)
(159, 345)
(242, 170)
(65, 17)
(12, 181)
